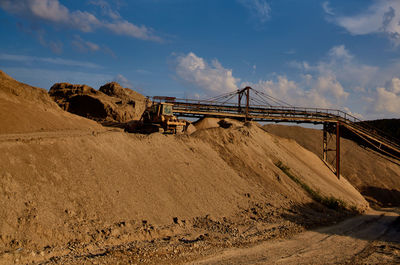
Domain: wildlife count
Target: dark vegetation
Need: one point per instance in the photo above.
(329, 201)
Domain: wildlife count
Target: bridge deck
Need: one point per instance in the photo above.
(201, 108)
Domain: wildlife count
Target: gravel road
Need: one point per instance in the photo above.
(373, 238)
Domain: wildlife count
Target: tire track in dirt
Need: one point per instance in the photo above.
(350, 242)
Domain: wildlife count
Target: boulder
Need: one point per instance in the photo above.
(112, 103)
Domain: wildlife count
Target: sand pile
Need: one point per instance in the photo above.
(69, 197)
(376, 177)
(24, 108)
(111, 103)
(59, 191)
(207, 123)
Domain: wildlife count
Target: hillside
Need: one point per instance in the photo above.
(374, 176)
(390, 127)
(91, 194)
(60, 190)
(24, 108)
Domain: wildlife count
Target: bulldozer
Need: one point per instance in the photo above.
(158, 117)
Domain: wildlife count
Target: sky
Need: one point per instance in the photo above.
(342, 54)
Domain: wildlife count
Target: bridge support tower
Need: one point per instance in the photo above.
(245, 92)
(330, 129)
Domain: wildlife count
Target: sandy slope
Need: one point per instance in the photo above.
(375, 176)
(24, 108)
(114, 176)
(73, 191)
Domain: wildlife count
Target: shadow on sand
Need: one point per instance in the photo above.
(383, 225)
(384, 197)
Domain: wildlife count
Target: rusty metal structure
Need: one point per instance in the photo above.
(265, 108)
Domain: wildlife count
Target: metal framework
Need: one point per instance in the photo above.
(330, 129)
(263, 107)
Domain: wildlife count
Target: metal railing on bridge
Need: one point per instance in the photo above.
(263, 107)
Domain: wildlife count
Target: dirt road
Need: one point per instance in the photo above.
(368, 239)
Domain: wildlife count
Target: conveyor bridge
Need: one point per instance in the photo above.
(264, 108)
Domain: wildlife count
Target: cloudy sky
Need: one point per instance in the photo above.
(341, 54)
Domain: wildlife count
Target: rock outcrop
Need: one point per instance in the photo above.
(111, 103)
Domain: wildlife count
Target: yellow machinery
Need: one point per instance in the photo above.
(158, 117)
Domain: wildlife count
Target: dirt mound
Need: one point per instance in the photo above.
(61, 92)
(72, 198)
(24, 108)
(207, 123)
(114, 89)
(127, 95)
(15, 91)
(374, 176)
(106, 189)
(111, 103)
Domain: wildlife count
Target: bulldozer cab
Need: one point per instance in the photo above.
(161, 109)
(166, 109)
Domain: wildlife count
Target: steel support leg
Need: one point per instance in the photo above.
(338, 150)
(247, 101)
(325, 143)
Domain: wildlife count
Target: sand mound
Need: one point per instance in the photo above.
(111, 103)
(58, 191)
(24, 108)
(77, 196)
(207, 123)
(114, 89)
(377, 178)
(127, 95)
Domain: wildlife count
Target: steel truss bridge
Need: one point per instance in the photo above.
(264, 108)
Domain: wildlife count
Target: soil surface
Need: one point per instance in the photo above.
(374, 175)
(74, 192)
(373, 238)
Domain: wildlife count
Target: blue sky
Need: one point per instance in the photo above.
(333, 54)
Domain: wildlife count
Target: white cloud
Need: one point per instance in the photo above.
(388, 98)
(212, 78)
(320, 84)
(106, 9)
(342, 65)
(83, 45)
(338, 81)
(51, 11)
(57, 14)
(259, 9)
(354, 114)
(327, 8)
(322, 92)
(123, 81)
(340, 52)
(381, 17)
(328, 84)
(123, 27)
(54, 46)
(58, 61)
(290, 52)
